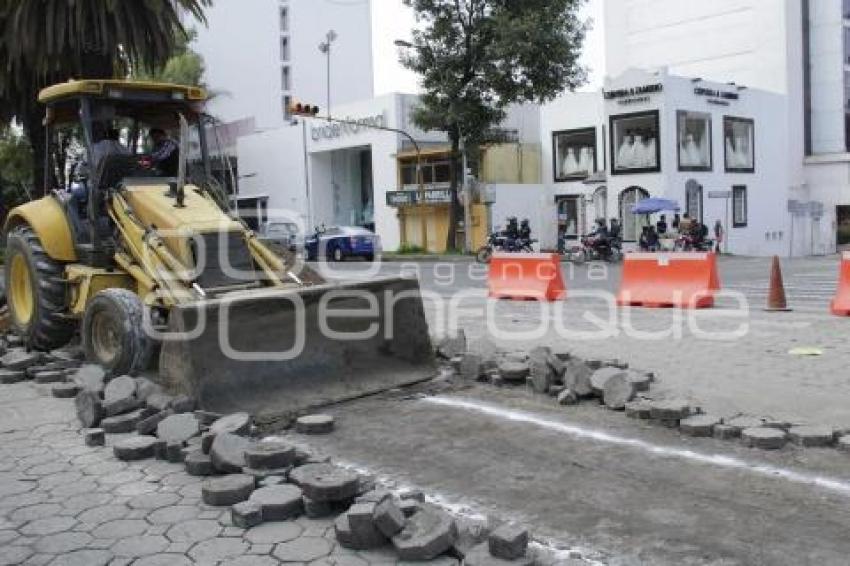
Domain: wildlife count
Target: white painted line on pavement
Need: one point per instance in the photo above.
(831, 484)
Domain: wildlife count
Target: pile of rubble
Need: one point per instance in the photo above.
(53, 369)
(558, 374)
(571, 380)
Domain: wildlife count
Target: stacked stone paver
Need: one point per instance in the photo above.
(64, 503)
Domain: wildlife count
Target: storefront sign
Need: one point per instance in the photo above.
(429, 196)
(712, 93)
(636, 100)
(347, 127)
(632, 92)
(400, 198)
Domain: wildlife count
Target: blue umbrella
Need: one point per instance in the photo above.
(654, 205)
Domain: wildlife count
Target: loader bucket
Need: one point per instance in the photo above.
(276, 353)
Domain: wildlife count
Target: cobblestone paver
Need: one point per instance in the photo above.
(62, 503)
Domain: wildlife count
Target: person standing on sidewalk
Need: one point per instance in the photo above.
(718, 236)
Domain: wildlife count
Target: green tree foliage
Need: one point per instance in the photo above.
(43, 42)
(184, 67)
(477, 57)
(15, 170)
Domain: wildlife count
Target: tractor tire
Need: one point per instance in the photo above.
(113, 333)
(36, 292)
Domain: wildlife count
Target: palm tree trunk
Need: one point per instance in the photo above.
(34, 130)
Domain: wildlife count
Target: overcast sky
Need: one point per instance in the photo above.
(391, 21)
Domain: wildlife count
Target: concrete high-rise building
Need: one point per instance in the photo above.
(260, 54)
(797, 48)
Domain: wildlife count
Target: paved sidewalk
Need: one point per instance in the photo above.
(62, 503)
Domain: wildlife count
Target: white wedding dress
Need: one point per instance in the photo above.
(641, 154)
(650, 154)
(738, 157)
(570, 166)
(691, 154)
(742, 144)
(731, 155)
(585, 161)
(626, 154)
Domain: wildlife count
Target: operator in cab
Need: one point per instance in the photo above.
(165, 154)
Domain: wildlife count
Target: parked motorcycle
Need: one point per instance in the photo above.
(499, 242)
(594, 249)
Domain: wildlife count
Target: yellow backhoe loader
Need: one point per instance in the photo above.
(138, 251)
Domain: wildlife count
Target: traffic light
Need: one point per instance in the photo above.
(301, 109)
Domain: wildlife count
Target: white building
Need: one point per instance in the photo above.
(712, 147)
(797, 48)
(260, 54)
(315, 173)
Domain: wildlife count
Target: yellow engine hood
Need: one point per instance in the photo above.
(200, 215)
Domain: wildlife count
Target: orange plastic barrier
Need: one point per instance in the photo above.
(526, 277)
(715, 273)
(672, 280)
(841, 303)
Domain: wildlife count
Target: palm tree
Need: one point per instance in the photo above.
(43, 42)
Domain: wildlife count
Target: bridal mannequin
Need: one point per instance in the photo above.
(626, 153)
(743, 153)
(738, 153)
(650, 153)
(585, 161)
(690, 152)
(731, 156)
(571, 165)
(641, 154)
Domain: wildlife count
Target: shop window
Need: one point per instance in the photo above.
(635, 144)
(631, 223)
(569, 217)
(600, 203)
(739, 206)
(694, 135)
(739, 142)
(574, 153)
(693, 200)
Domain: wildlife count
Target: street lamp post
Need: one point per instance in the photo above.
(325, 47)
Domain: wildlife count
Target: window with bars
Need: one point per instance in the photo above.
(284, 49)
(287, 103)
(286, 78)
(433, 173)
(284, 19)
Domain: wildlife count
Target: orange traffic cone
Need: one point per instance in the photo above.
(776, 301)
